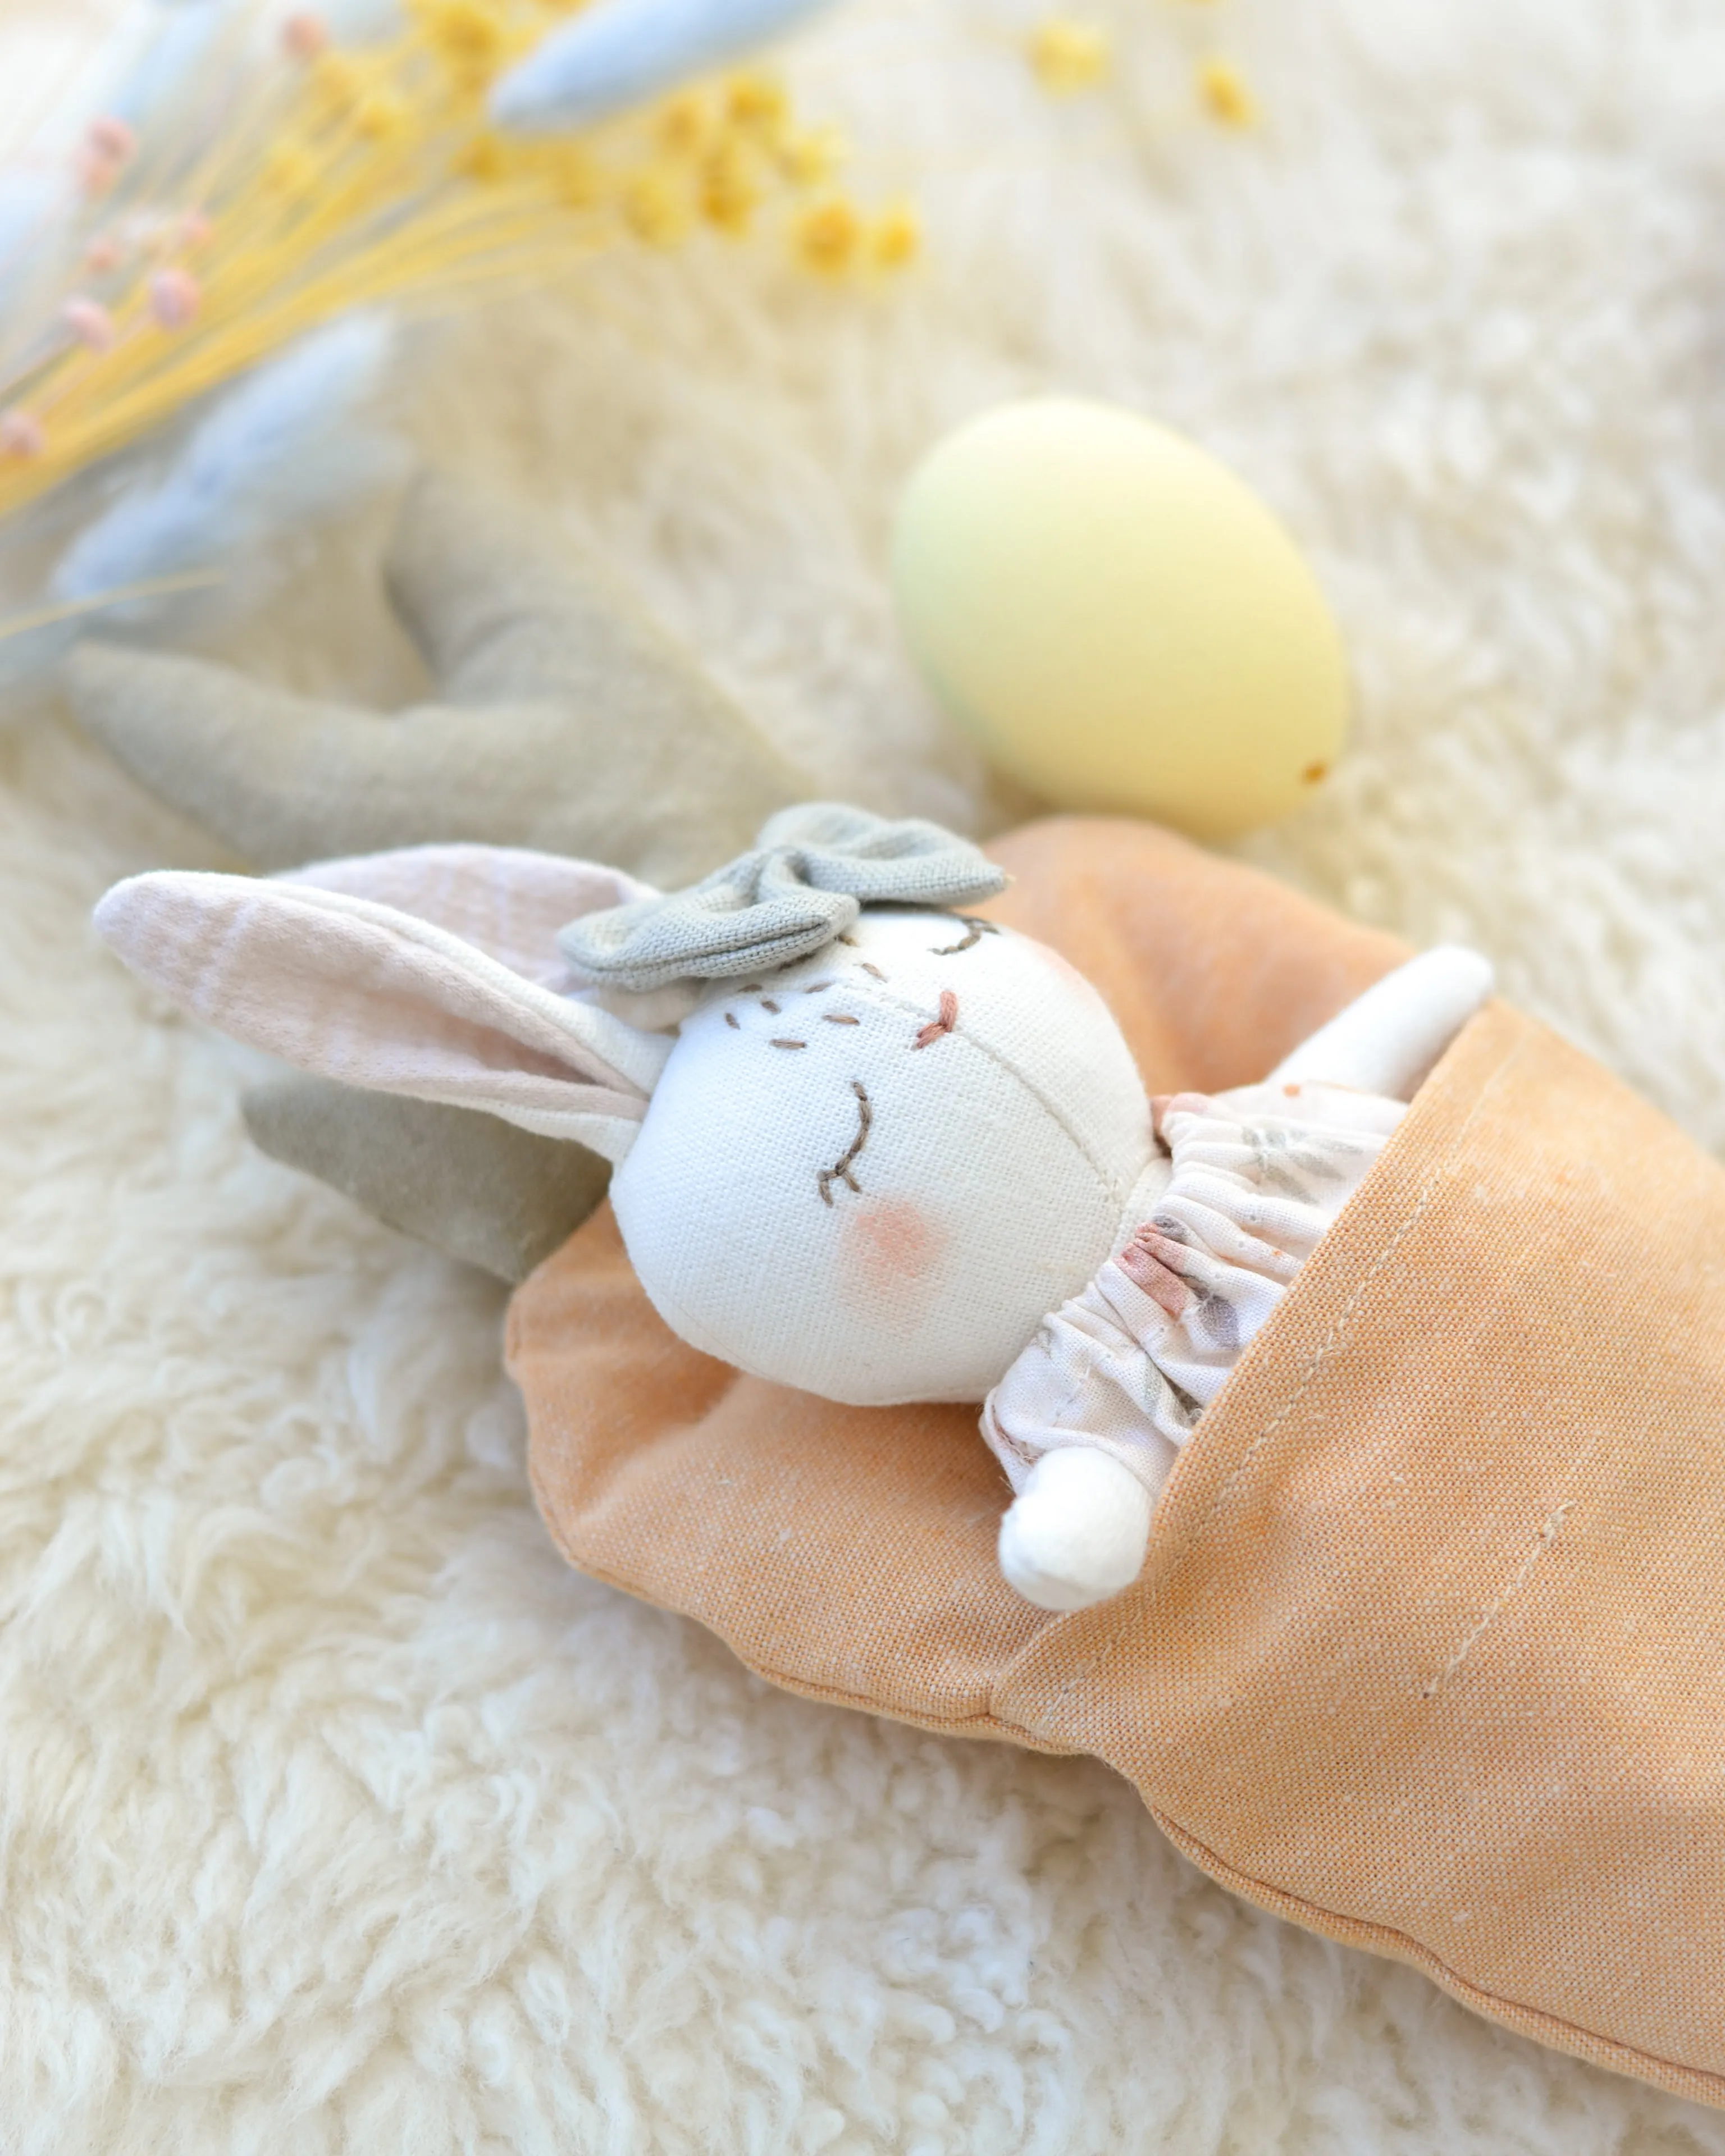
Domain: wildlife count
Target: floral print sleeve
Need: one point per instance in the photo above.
(1248, 1184)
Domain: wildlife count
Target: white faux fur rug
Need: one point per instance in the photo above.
(335, 1813)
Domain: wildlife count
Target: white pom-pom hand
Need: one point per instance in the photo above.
(1078, 1532)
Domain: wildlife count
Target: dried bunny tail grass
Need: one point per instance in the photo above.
(615, 55)
(330, 179)
(285, 438)
(291, 440)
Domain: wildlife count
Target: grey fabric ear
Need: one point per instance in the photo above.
(570, 721)
(802, 884)
(468, 1185)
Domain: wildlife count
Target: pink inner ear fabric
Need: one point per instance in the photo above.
(355, 997)
(508, 901)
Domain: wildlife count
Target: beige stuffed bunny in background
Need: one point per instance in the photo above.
(568, 718)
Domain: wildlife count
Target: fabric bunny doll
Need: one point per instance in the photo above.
(865, 1145)
(1423, 1650)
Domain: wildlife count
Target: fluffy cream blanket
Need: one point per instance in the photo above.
(335, 1813)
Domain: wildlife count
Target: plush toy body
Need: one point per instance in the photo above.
(1424, 1649)
(868, 1146)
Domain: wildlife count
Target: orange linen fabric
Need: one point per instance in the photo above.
(1428, 1649)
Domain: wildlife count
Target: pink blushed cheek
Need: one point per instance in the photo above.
(889, 1244)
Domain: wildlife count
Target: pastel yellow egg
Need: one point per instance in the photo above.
(1119, 621)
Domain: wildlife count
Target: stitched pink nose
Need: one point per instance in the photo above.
(942, 1025)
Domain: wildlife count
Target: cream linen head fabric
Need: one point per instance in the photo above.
(871, 1171)
(909, 1148)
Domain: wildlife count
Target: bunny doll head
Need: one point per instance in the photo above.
(870, 1172)
(864, 1141)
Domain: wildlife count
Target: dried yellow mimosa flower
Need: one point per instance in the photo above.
(334, 179)
(897, 237)
(729, 188)
(829, 236)
(1069, 55)
(1225, 91)
(656, 210)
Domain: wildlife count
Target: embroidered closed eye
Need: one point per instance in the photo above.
(840, 1172)
(977, 930)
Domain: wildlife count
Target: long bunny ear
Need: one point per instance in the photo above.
(506, 901)
(351, 988)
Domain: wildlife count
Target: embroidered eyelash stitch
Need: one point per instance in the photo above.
(976, 931)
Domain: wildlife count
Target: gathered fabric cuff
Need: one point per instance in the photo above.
(1248, 1184)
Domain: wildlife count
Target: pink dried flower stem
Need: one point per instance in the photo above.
(22, 434)
(171, 300)
(90, 323)
(305, 36)
(175, 297)
(112, 139)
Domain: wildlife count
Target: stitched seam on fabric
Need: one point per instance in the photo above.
(1116, 1193)
(1334, 1338)
(1362, 1931)
(1548, 1533)
(1358, 1931)
(1336, 1335)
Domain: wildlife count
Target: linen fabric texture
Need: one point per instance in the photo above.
(1426, 1652)
(568, 718)
(427, 972)
(1250, 1182)
(467, 1183)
